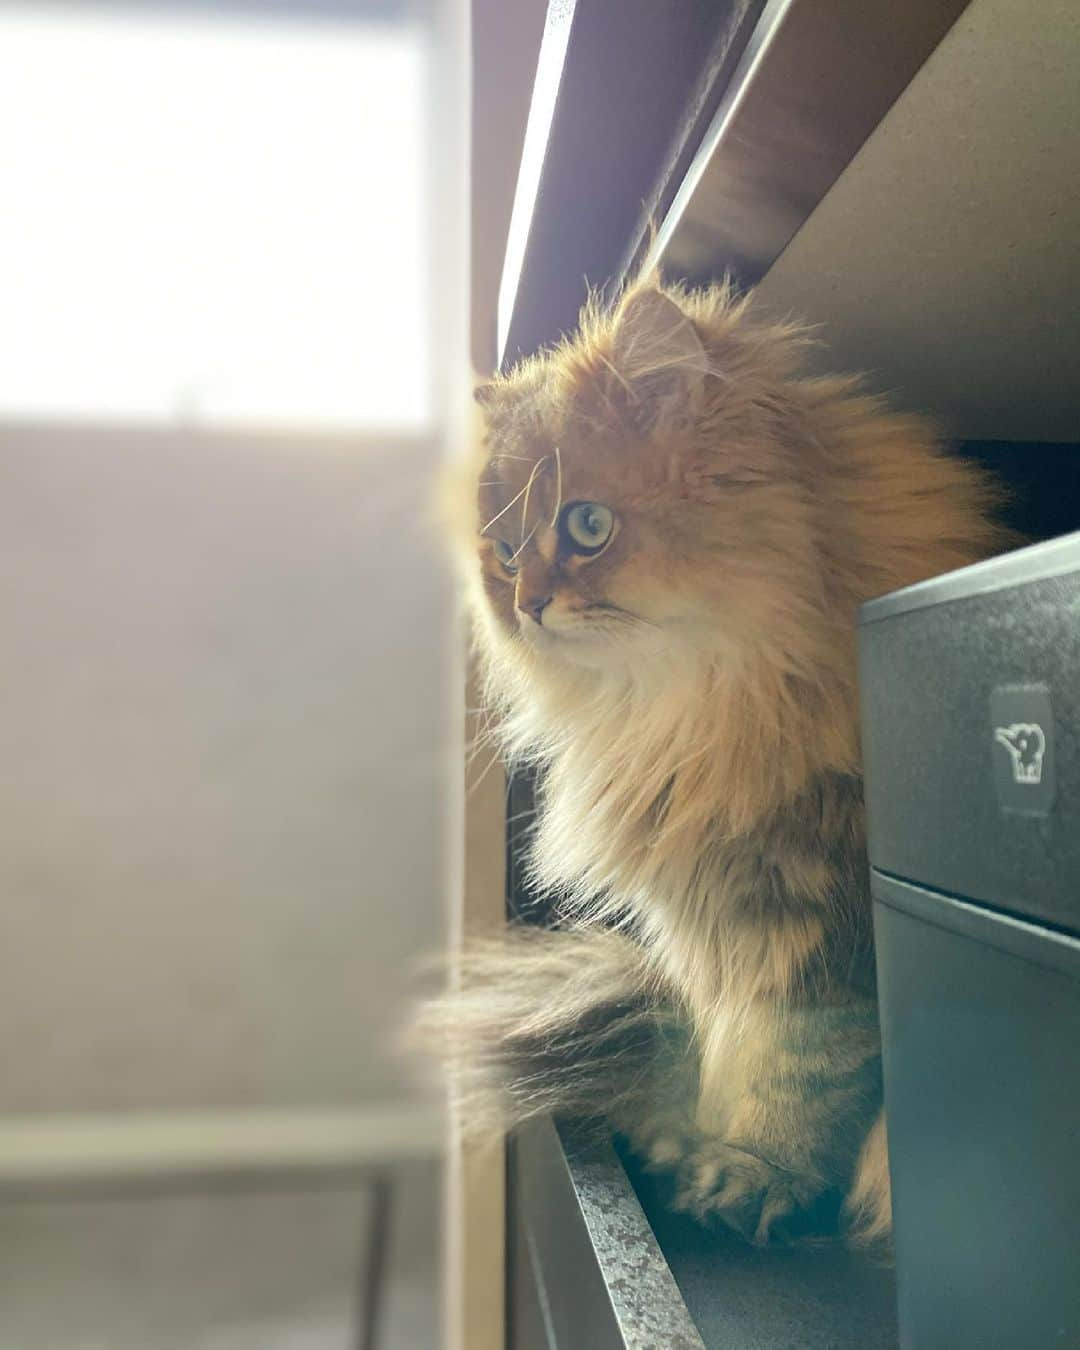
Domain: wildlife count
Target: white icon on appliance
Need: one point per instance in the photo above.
(1026, 744)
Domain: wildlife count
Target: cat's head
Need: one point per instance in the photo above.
(639, 497)
(669, 526)
(668, 490)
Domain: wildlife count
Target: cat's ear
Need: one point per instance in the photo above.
(658, 354)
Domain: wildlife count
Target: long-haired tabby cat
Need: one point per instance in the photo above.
(667, 531)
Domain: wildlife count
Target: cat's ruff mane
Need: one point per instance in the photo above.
(647, 767)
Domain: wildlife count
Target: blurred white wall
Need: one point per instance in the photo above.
(223, 714)
(226, 654)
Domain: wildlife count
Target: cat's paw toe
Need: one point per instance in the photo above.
(749, 1194)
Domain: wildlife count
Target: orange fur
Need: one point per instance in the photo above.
(690, 699)
(869, 1201)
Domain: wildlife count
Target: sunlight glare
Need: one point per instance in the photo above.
(211, 220)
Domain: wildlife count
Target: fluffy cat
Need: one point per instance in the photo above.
(666, 531)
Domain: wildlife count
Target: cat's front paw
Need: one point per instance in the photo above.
(747, 1192)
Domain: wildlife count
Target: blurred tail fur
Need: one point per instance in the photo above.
(576, 1022)
(540, 1020)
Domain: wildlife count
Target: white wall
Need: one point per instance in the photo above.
(222, 720)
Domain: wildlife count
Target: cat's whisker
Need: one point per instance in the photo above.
(558, 487)
(528, 490)
(623, 616)
(499, 515)
(524, 543)
(486, 734)
(471, 759)
(475, 784)
(478, 744)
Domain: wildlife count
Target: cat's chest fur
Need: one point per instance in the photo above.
(634, 823)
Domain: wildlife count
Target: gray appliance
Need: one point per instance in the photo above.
(970, 690)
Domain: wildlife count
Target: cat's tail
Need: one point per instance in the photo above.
(540, 1020)
(869, 1202)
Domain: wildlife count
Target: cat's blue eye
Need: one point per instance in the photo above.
(505, 554)
(587, 526)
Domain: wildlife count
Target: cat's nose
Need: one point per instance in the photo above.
(534, 607)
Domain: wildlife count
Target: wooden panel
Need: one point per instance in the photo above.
(476, 1194)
